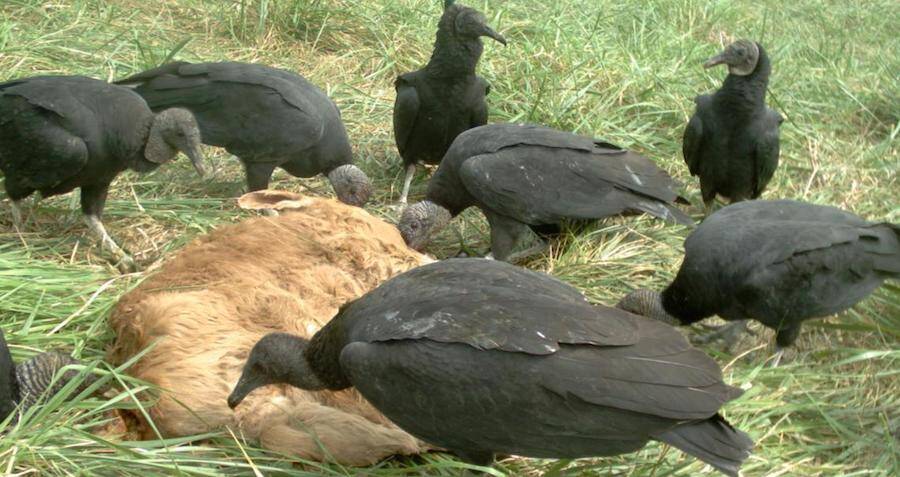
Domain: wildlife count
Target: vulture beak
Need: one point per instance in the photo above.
(245, 386)
(193, 152)
(489, 32)
(719, 59)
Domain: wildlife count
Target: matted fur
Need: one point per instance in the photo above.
(208, 305)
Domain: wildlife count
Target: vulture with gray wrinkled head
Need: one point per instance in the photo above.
(267, 117)
(58, 133)
(23, 385)
(526, 177)
(481, 357)
(778, 262)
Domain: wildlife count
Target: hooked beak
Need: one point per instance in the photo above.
(719, 59)
(244, 386)
(489, 32)
(193, 152)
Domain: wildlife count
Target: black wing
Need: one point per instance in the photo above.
(785, 256)
(406, 110)
(166, 87)
(485, 304)
(56, 94)
(693, 138)
(480, 111)
(8, 384)
(791, 227)
(293, 88)
(252, 110)
(659, 375)
(765, 154)
(43, 124)
(494, 137)
(539, 185)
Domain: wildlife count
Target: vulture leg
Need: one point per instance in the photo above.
(784, 337)
(505, 234)
(258, 175)
(709, 197)
(464, 250)
(93, 198)
(729, 334)
(410, 172)
(536, 249)
(18, 217)
(16, 211)
(776, 358)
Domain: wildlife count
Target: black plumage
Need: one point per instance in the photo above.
(777, 262)
(731, 141)
(9, 385)
(25, 384)
(62, 132)
(438, 102)
(267, 117)
(531, 177)
(463, 354)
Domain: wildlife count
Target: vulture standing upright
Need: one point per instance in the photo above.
(731, 141)
(438, 102)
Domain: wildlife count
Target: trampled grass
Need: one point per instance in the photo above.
(622, 71)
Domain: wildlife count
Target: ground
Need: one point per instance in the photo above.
(622, 71)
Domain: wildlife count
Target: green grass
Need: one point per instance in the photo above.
(623, 71)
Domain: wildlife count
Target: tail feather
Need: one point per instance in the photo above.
(166, 69)
(664, 211)
(713, 441)
(882, 242)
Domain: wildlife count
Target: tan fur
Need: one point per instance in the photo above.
(208, 305)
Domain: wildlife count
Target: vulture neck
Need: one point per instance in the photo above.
(746, 94)
(453, 58)
(679, 305)
(323, 355)
(139, 162)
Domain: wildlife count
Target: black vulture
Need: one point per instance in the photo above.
(62, 132)
(731, 141)
(525, 176)
(267, 117)
(445, 98)
(482, 357)
(24, 384)
(778, 262)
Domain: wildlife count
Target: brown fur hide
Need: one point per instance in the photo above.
(208, 305)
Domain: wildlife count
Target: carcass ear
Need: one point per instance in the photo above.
(273, 200)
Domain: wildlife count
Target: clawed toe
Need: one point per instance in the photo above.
(126, 265)
(729, 334)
